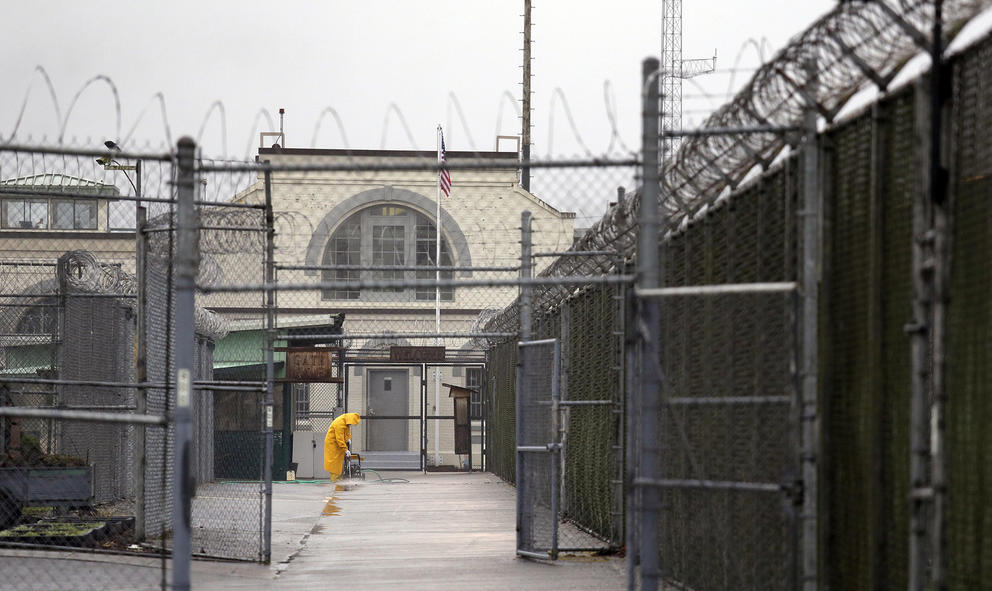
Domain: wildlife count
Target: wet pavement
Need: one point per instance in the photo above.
(393, 530)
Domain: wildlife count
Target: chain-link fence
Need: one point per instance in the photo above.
(737, 439)
(872, 190)
(84, 462)
(880, 522)
(371, 258)
(781, 385)
(230, 508)
(969, 323)
(356, 269)
(727, 429)
(89, 355)
(538, 456)
(579, 301)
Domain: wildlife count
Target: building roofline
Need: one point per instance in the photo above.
(54, 179)
(385, 153)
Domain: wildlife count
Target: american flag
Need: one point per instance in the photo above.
(445, 177)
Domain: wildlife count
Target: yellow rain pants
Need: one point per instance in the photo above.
(336, 443)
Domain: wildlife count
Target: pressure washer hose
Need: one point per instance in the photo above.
(325, 481)
(386, 480)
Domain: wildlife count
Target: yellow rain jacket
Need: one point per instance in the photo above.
(336, 443)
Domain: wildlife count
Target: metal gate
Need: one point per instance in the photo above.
(538, 448)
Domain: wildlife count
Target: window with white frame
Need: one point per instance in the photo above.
(301, 402)
(473, 379)
(73, 214)
(43, 214)
(25, 213)
(386, 236)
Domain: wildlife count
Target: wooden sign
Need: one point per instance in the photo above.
(311, 364)
(416, 354)
(463, 426)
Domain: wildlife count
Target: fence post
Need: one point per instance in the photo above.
(919, 348)
(525, 293)
(269, 365)
(187, 251)
(940, 197)
(141, 367)
(620, 400)
(874, 338)
(561, 414)
(630, 440)
(648, 322)
(555, 458)
(811, 212)
(526, 267)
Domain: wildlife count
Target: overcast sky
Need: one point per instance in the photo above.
(360, 59)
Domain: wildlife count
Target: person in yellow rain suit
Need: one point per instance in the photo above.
(336, 443)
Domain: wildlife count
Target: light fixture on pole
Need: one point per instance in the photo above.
(108, 162)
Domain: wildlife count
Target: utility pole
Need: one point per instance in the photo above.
(525, 131)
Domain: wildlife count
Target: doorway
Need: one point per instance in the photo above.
(388, 396)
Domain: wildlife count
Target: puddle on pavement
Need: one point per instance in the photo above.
(330, 508)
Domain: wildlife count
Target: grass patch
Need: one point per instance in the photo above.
(34, 511)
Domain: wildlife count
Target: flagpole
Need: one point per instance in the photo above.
(437, 308)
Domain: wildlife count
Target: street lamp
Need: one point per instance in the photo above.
(141, 338)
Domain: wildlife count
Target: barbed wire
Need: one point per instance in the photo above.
(82, 272)
(219, 107)
(224, 230)
(453, 101)
(218, 110)
(27, 95)
(842, 45)
(337, 119)
(505, 98)
(772, 97)
(117, 103)
(158, 96)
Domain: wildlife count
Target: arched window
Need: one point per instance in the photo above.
(382, 236)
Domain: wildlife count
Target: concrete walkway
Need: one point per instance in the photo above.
(408, 531)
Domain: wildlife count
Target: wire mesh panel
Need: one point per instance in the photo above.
(728, 446)
(591, 420)
(501, 445)
(589, 516)
(83, 471)
(56, 508)
(88, 314)
(969, 408)
(537, 453)
(229, 505)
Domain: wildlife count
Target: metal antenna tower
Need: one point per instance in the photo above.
(674, 69)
